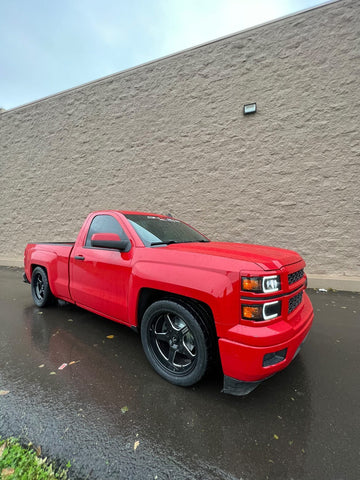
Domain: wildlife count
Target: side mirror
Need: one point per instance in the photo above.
(110, 240)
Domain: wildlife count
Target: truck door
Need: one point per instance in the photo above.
(99, 277)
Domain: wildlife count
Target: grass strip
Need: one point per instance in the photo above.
(25, 463)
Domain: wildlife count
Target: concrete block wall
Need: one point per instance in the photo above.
(170, 136)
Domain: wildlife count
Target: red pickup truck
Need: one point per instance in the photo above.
(192, 300)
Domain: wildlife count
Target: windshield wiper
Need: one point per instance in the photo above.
(195, 241)
(174, 241)
(163, 243)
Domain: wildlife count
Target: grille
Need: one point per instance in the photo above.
(295, 277)
(295, 302)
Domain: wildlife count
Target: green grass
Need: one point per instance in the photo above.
(23, 463)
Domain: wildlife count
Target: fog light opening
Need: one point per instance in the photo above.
(274, 357)
(271, 310)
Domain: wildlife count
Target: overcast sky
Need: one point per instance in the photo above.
(47, 46)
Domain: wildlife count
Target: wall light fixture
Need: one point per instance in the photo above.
(249, 108)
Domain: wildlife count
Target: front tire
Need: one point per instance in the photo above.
(40, 288)
(175, 342)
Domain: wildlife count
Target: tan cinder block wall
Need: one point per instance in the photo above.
(170, 136)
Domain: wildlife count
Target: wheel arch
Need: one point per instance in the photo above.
(147, 296)
(34, 265)
(48, 297)
(48, 267)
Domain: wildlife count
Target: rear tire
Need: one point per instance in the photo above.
(40, 288)
(175, 342)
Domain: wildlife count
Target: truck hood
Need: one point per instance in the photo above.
(268, 258)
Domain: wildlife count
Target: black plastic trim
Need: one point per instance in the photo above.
(25, 279)
(239, 388)
(122, 245)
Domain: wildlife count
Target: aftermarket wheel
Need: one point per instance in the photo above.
(40, 288)
(175, 342)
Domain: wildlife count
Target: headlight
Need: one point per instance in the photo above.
(259, 313)
(271, 284)
(261, 284)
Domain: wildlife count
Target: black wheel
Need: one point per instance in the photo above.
(175, 342)
(40, 288)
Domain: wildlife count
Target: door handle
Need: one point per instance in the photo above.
(79, 257)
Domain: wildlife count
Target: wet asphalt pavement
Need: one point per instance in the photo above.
(113, 417)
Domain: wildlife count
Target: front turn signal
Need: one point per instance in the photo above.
(263, 312)
(252, 312)
(251, 284)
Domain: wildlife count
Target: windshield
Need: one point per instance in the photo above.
(163, 230)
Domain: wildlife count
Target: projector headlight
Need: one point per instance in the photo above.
(261, 284)
(271, 284)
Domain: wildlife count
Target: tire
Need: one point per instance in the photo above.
(175, 342)
(40, 288)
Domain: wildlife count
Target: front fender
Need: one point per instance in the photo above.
(219, 290)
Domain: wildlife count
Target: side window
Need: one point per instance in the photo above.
(104, 224)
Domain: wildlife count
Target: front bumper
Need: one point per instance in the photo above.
(252, 364)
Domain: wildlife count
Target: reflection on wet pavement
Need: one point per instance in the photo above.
(113, 417)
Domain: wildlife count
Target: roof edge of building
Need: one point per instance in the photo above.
(106, 78)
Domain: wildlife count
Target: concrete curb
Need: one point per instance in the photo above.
(11, 262)
(335, 282)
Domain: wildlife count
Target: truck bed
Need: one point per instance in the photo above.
(71, 244)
